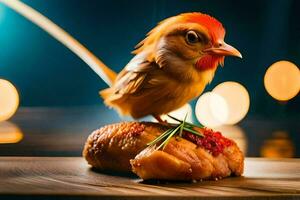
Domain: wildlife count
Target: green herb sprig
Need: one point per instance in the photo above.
(176, 129)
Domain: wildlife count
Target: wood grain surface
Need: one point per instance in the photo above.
(71, 177)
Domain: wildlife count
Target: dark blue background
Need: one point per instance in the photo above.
(48, 74)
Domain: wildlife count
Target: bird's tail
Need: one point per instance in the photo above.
(66, 39)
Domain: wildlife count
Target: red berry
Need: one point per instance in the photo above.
(212, 141)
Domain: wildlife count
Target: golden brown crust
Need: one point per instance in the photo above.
(202, 164)
(123, 147)
(153, 164)
(112, 146)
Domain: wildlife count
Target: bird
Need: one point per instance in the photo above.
(170, 67)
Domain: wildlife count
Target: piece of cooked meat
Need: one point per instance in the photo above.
(123, 147)
(111, 147)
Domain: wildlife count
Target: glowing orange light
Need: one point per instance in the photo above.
(279, 146)
(9, 100)
(9, 133)
(211, 110)
(237, 99)
(282, 80)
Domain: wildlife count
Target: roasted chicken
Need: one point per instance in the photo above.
(123, 147)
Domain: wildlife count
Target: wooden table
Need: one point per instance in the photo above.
(71, 177)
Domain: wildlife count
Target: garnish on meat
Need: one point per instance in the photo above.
(133, 146)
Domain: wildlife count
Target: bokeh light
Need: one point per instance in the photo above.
(282, 80)
(237, 99)
(279, 146)
(211, 109)
(10, 133)
(9, 99)
(179, 114)
(237, 134)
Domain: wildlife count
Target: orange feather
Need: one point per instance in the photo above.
(213, 26)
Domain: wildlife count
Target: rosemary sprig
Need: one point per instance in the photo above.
(174, 130)
(159, 138)
(164, 143)
(193, 131)
(181, 128)
(192, 125)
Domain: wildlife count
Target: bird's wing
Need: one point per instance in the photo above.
(132, 77)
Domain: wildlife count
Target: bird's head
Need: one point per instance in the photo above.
(190, 38)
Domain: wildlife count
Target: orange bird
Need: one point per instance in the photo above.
(171, 66)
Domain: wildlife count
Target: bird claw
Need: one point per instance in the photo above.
(161, 121)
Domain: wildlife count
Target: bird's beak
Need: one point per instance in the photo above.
(224, 49)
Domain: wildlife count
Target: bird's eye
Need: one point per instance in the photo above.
(191, 37)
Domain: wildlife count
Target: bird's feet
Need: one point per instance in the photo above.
(161, 121)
